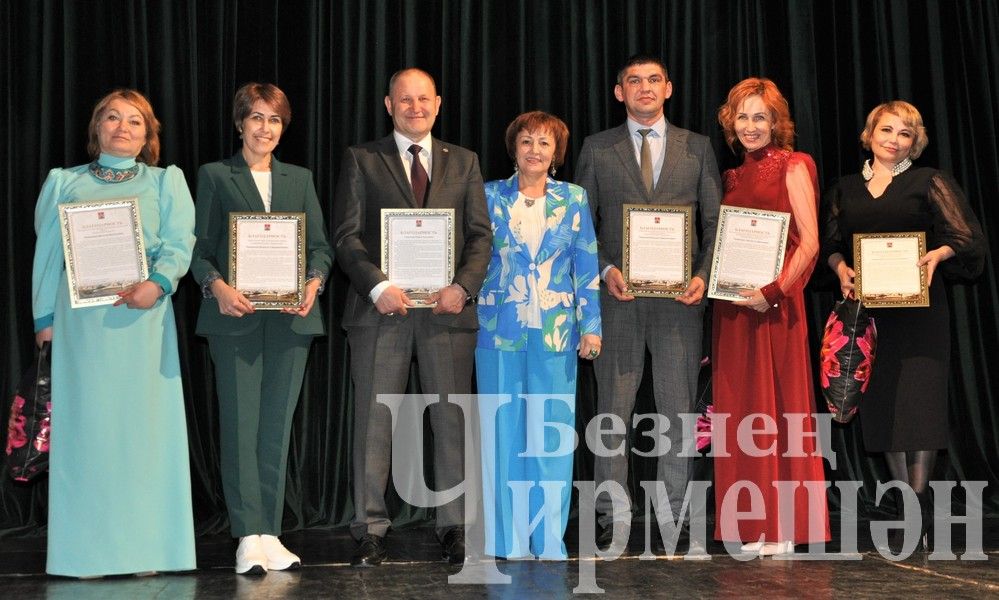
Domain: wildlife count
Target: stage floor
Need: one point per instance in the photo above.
(415, 571)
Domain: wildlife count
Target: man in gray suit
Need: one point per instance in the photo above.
(647, 160)
(408, 169)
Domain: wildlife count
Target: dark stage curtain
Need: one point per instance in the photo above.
(492, 59)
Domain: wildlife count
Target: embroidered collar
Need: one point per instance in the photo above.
(111, 174)
(898, 169)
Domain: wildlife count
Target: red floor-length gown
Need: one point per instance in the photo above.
(761, 366)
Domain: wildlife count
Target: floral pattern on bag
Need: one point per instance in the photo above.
(849, 344)
(868, 345)
(832, 341)
(16, 436)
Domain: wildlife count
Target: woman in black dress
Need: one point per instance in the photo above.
(904, 411)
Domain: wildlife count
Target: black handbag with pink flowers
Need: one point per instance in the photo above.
(849, 345)
(30, 422)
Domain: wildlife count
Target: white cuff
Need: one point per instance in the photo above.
(376, 291)
(603, 274)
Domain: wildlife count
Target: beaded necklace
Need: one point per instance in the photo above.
(898, 169)
(111, 174)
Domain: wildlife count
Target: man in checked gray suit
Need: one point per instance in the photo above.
(646, 160)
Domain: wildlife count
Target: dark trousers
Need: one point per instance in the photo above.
(380, 364)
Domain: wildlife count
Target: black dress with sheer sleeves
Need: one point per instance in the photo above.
(905, 405)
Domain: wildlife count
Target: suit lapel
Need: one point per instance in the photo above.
(279, 187)
(244, 183)
(393, 163)
(555, 197)
(440, 154)
(676, 139)
(505, 200)
(626, 152)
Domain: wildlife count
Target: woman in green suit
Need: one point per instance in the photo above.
(259, 356)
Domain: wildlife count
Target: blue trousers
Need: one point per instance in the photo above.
(527, 447)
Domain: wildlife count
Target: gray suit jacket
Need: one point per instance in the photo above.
(372, 177)
(607, 169)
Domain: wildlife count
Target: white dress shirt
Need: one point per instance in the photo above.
(657, 144)
(657, 147)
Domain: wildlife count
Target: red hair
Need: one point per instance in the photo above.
(780, 115)
(537, 121)
(150, 153)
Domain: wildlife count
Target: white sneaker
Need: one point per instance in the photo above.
(250, 557)
(278, 557)
(775, 548)
(752, 547)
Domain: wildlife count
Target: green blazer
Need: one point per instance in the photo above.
(227, 186)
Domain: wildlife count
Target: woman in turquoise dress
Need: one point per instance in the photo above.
(538, 308)
(119, 480)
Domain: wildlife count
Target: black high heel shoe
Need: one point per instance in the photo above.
(896, 537)
(926, 512)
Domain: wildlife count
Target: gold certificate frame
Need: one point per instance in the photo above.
(418, 251)
(103, 248)
(657, 247)
(267, 258)
(886, 275)
(749, 250)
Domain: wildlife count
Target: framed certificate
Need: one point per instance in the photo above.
(656, 253)
(749, 250)
(103, 247)
(886, 271)
(418, 250)
(267, 258)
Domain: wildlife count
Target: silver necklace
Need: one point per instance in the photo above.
(528, 201)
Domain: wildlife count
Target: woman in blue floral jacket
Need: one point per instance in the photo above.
(538, 308)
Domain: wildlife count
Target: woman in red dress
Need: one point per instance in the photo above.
(770, 488)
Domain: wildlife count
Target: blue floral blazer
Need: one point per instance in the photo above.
(565, 269)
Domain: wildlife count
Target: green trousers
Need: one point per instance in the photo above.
(258, 377)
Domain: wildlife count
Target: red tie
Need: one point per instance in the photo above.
(418, 176)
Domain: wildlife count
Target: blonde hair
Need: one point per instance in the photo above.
(909, 115)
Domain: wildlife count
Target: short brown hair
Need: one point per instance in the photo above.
(247, 96)
(783, 132)
(537, 120)
(909, 115)
(640, 59)
(150, 153)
